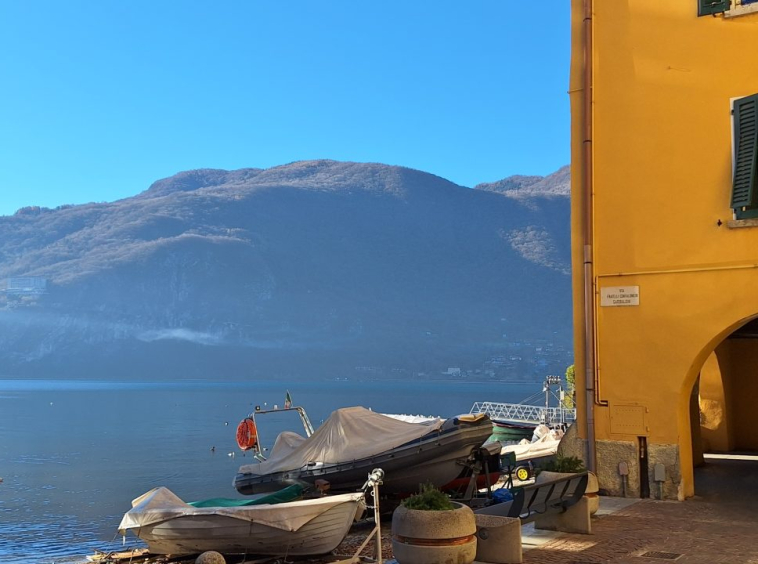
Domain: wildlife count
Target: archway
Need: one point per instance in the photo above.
(724, 416)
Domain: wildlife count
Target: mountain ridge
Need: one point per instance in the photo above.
(342, 263)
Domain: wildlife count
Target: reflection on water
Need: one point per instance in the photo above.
(74, 454)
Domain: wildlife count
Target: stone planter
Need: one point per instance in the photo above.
(434, 537)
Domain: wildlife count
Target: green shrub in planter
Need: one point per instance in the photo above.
(429, 499)
(564, 464)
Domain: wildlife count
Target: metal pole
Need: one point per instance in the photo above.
(378, 522)
(591, 393)
(374, 480)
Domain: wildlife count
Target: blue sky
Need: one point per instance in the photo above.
(100, 99)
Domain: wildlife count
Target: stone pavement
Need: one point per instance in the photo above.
(719, 525)
(658, 531)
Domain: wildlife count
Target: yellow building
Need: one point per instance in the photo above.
(664, 105)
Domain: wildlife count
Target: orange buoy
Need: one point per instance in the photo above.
(247, 436)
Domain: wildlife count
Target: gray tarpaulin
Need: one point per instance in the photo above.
(351, 433)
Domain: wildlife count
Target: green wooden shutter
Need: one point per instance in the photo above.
(708, 7)
(745, 152)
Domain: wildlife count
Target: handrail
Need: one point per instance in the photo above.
(307, 426)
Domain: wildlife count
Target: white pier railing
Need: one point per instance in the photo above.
(524, 413)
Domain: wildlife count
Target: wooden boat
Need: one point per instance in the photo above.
(293, 528)
(352, 441)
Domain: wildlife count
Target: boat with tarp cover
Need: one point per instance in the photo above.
(354, 440)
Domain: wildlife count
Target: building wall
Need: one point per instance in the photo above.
(661, 183)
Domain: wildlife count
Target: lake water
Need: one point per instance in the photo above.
(73, 454)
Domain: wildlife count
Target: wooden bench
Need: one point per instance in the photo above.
(553, 503)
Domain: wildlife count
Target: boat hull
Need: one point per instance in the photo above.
(198, 532)
(509, 431)
(437, 458)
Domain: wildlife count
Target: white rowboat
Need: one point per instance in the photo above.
(299, 528)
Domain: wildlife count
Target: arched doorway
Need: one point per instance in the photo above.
(724, 418)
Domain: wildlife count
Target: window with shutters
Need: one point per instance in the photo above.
(745, 157)
(708, 7)
(730, 8)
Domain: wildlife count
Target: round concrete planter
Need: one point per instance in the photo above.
(434, 537)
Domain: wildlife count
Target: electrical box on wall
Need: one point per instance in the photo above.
(628, 420)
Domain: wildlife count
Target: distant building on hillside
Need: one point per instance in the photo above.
(26, 285)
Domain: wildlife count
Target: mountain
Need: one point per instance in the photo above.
(557, 184)
(314, 268)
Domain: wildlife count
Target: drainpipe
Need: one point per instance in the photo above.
(587, 220)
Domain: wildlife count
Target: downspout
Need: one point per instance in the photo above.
(587, 221)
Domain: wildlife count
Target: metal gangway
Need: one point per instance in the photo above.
(522, 413)
(528, 411)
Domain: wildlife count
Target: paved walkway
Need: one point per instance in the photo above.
(719, 525)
